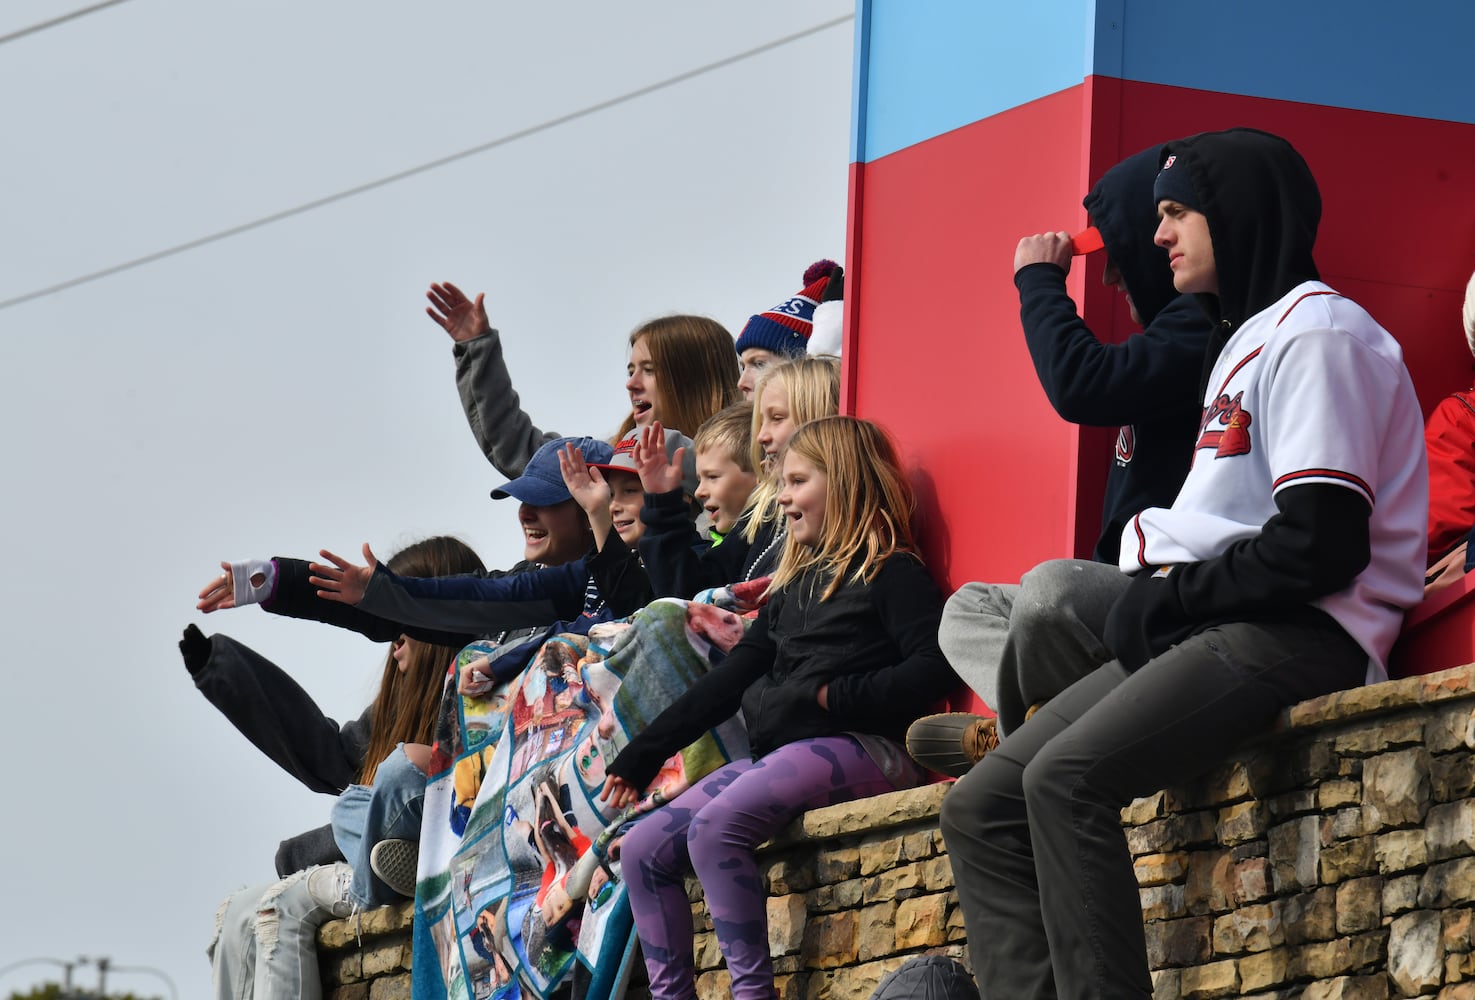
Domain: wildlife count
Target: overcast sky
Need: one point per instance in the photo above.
(281, 390)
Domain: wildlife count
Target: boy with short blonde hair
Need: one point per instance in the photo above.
(725, 476)
(681, 562)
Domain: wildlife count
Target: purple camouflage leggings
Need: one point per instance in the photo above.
(712, 829)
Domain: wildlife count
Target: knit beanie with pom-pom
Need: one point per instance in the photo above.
(785, 329)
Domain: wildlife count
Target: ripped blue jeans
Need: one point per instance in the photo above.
(265, 943)
(389, 809)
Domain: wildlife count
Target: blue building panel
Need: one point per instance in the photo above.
(927, 67)
(1409, 58)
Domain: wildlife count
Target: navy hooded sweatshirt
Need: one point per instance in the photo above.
(1148, 385)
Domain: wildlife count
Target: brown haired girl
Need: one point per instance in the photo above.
(682, 370)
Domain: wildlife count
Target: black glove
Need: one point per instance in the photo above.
(195, 648)
(835, 290)
(1146, 620)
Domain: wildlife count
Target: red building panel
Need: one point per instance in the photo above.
(934, 350)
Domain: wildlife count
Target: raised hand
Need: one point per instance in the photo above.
(585, 483)
(219, 594)
(342, 581)
(1044, 248)
(835, 287)
(459, 316)
(658, 474)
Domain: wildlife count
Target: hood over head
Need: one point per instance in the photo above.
(1262, 207)
(1122, 209)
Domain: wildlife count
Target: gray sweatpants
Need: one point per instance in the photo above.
(1034, 831)
(1020, 644)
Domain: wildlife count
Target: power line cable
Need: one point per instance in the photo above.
(23, 32)
(435, 164)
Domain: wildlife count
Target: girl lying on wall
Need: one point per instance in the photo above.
(264, 944)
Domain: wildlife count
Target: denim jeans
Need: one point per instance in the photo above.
(1020, 644)
(389, 809)
(1034, 831)
(265, 943)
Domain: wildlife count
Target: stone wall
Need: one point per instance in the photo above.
(1333, 859)
(367, 958)
(854, 890)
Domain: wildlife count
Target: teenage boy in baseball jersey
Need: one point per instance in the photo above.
(1281, 572)
(1148, 387)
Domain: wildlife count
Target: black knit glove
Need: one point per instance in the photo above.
(195, 648)
(1146, 620)
(835, 290)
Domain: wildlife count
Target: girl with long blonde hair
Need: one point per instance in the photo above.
(841, 659)
(788, 396)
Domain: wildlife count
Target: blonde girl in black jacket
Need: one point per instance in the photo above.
(842, 658)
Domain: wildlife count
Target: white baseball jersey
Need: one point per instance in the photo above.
(1310, 390)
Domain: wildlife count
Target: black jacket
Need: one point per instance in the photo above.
(273, 711)
(281, 719)
(294, 597)
(1147, 385)
(875, 645)
(681, 564)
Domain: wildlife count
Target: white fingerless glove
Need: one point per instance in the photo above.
(253, 581)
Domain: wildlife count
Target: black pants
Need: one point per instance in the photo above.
(1034, 831)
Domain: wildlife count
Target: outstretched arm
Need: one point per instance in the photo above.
(272, 711)
(464, 603)
(287, 591)
(713, 697)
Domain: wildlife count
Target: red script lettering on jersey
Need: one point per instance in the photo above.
(1234, 439)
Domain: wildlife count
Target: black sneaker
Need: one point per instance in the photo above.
(397, 862)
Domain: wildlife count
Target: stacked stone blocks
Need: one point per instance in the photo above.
(854, 890)
(1333, 859)
(368, 957)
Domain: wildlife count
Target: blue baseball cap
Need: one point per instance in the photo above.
(541, 482)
